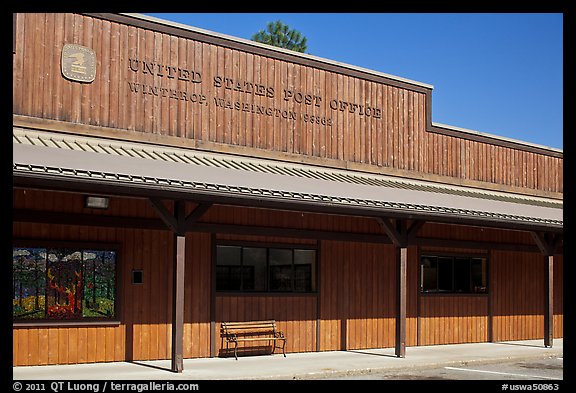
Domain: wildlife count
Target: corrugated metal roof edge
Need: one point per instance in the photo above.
(37, 125)
(53, 176)
(290, 169)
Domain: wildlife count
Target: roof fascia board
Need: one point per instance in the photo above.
(254, 44)
(467, 133)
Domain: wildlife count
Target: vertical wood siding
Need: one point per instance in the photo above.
(396, 140)
(517, 282)
(357, 297)
(478, 234)
(558, 296)
(453, 319)
(197, 295)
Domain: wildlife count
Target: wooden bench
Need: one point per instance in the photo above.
(235, 332)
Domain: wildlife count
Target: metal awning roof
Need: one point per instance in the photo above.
(103, 163)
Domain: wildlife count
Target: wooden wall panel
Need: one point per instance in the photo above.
(284, 219)
(558, 296)
(518, 295)
(197, 296)
(412, 271)
(518, 304)
(469, 233)
(453, 319)
(150, 101)
(357, 298)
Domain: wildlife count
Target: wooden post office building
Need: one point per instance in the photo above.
(167, 179)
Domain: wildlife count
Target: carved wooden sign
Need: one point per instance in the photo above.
(279, 101)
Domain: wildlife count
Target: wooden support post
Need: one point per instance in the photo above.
(549, 293)
(401, 303)
(179, 223)
(401, 236)
(178, 304)
(547, 245)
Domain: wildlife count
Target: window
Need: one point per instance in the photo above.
(265, 269)
(453, 274)
(63, 283)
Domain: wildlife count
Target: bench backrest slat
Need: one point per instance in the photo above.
(248, 328)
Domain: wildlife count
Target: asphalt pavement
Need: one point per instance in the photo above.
(310, 365)
(548, 372)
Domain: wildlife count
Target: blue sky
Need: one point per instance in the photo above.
(500, 74)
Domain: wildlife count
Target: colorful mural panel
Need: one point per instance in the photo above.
(63, 284)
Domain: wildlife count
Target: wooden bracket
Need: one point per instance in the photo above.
(177, 222)
(546, 242)
(400, 234)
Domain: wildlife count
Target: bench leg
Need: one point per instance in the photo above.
(236, 350)
(284, 345)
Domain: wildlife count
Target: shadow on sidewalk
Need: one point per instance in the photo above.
(520, 344)
(150, 366)
(371, 353)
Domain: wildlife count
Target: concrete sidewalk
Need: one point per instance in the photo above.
(299, 365)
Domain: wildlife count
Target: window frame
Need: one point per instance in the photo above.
(267, 246)
(84, 246)
(453, 256)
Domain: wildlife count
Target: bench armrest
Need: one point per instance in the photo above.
(231, 337)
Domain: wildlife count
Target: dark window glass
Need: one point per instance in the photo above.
(429, 274)
(448, 274)
(304, 270)
(479, 275)
(280, 270)
(254, 269)
(262, 269)
(445, 283)
(462, 275)
(228, 268)
(63, 284)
